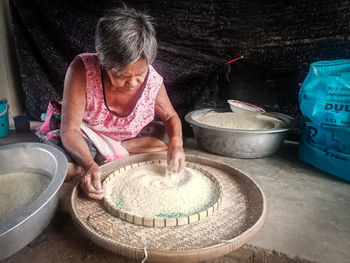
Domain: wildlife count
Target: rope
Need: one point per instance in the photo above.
(146, 255)
(95, 215)
(4, 112)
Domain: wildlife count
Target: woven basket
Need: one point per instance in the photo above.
(241, 215)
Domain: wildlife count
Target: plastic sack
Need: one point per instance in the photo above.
(324, 101)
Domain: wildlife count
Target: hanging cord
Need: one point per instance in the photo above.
(146, 255)
(144, 248)
(4, 112)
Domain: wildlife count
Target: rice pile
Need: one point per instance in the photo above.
(17, 190)
(236, 121)
(147, 191)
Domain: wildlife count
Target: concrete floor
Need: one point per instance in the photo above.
(308, 216)
(308, 210)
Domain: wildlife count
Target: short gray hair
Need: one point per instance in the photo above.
(124, 36)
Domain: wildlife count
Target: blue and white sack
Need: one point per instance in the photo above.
(324, 101)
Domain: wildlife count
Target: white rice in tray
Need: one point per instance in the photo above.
(147, 191)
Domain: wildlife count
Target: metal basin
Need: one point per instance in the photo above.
(238, 143)
(29, 222)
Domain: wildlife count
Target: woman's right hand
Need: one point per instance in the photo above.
(91, 183)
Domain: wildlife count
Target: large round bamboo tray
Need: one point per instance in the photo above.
(240, 217)
(158, 221)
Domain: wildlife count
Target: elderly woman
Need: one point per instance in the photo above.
(110, 96)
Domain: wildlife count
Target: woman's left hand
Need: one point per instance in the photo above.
(176, 158)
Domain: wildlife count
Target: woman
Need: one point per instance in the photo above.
(110, 96)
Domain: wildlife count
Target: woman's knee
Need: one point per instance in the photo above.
(144, 145)
(73, 171)
(158, 144)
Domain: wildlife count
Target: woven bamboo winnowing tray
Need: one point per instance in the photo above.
(158, 221)
(241, 215)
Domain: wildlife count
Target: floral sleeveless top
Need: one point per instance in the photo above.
(100, 119)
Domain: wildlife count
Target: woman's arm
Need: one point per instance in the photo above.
(73, 107)
(164, 109)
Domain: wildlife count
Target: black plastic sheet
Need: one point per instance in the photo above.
(278, 39)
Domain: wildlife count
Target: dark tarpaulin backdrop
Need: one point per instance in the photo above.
(279, 39)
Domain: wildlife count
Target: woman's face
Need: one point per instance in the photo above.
(131, 78)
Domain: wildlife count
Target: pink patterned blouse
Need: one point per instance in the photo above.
(100, 119)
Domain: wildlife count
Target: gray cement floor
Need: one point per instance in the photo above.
(308, 210)
(308, 216)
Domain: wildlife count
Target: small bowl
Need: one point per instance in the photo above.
(244, 107)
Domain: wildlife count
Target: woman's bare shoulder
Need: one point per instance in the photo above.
(75, 76)
(74, 98)
(77, 66)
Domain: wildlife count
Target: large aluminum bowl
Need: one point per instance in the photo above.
(238, 143)
(30, 221)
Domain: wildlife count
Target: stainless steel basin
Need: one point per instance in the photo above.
(238, 143)
(29, 222)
